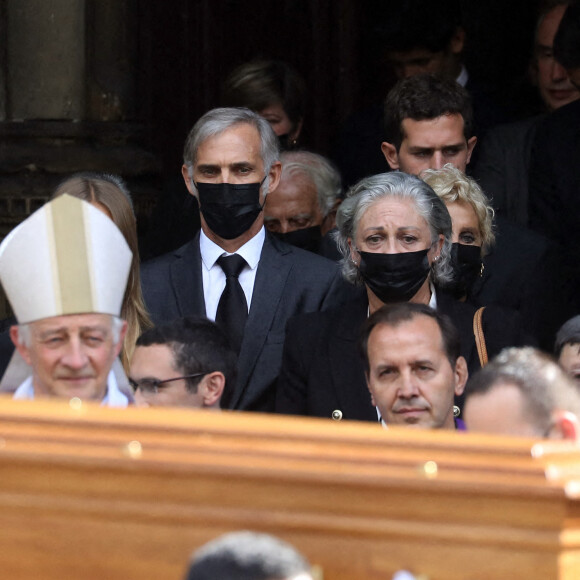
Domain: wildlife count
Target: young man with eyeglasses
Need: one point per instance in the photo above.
(187, 363)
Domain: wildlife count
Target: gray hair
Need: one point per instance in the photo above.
(247, 555)
(217, 121)
(397, 185)
(24, 333)
(544, 385)
(320, 171)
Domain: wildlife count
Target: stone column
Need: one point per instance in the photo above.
(45, 59)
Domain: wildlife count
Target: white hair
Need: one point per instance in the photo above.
(320, 171)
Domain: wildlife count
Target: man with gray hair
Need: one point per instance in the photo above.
(65, 270)
(302, 209)
(248, 556)
(232, 272)
(523, 392)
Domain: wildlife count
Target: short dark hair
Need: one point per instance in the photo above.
(418, 24)
(569, 333)
(544, 385)
(198, 345)
(395, 314)
(567, 39)
(424, 97)
(246, 556)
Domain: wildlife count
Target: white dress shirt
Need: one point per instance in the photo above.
(113, 397)
(214, 279)
(463, 77)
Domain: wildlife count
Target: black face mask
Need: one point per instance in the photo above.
(467, 267)
(306, 238)
(394, 277)
(229, 209)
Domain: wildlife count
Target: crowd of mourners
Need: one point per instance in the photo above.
(426, 276)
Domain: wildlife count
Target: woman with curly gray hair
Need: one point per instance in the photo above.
(395, 236)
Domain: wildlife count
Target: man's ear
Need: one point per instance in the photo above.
(329, 222)
(188, 179)
(22, 349)
(391, 155)
(461, 375)
(274, 174)
(369, 388)
(566, 425)
(211, 388)
(470, 147)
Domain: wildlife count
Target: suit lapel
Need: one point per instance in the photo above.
(461, 314)
(273, 270)
(185, 272)
(346, 370)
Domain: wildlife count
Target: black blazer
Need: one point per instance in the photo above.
(554, 204)
(289, 281)
(523, 272)
(503, 167)
(322, 371)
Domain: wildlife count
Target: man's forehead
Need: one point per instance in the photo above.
(73, 321)
(246, 132)
(448, 128)
(419, 333)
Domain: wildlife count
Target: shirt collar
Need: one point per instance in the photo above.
(433, 299)
(113, 397)
(250, 251)
(463, 77)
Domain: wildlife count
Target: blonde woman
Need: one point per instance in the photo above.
(109, 194)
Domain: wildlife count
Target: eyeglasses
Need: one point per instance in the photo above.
(151, 386)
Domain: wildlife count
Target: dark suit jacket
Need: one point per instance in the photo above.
(322, 371)
(555, 176)
(503, 166)
(554, 207)
(523, 272)
(289, 281)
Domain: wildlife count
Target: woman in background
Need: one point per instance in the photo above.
(110, 194)
(274, 90)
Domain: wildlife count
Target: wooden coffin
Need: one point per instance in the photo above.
(94, 493)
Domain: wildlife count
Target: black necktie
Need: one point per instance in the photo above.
(232, 311)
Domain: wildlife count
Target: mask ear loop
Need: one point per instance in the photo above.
(265, 194)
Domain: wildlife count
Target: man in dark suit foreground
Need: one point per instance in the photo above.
(230, 165)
